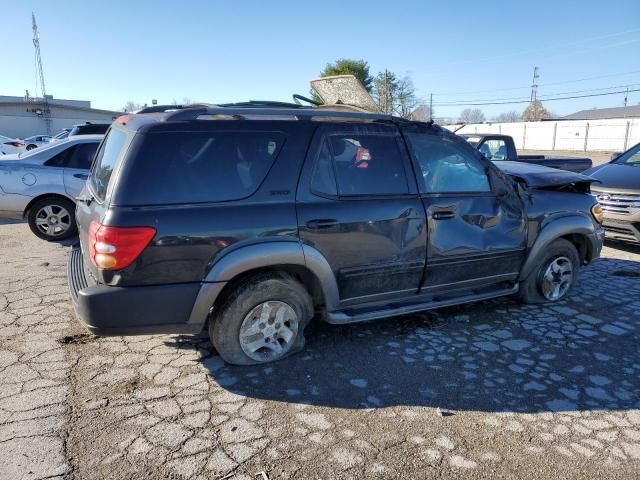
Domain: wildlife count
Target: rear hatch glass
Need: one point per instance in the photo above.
(195, 167)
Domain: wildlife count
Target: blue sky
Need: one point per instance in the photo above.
(214, 51)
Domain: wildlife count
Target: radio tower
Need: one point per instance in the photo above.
(46, 112)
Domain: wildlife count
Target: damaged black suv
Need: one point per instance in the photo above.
(250, 220)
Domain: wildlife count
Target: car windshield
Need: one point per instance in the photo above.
(630, 157)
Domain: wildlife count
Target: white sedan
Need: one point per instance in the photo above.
(36, 141)
(9, 145)
(41, 185)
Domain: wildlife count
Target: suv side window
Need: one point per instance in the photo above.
(324, 177)
(81, 156)
(361, 164)
(446, 167)
(196, 167)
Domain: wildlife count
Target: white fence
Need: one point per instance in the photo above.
(611, 135)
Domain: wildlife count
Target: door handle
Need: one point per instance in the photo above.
(443, 215)
(83, 176)
(321, 224)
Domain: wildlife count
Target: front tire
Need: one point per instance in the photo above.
(553, 276)
(261, 320)
(53, 219)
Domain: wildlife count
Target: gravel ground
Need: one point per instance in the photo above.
(489, 390)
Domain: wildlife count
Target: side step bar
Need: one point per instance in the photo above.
(353, 316)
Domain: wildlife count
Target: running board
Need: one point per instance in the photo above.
(342, 317)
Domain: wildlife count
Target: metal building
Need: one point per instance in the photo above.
(22, 117)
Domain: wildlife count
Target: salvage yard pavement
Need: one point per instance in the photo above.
(495, 389)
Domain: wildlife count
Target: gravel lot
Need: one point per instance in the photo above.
(490, 390)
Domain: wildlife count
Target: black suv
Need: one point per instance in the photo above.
(252, 221)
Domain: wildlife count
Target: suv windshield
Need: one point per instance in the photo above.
(105, 162)
(631, 158)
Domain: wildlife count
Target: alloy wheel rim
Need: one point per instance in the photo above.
(53, 220)
(557, 279)
(269, 331)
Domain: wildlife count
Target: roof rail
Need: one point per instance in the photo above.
(187, 114)
(262, 103)
(165, 108)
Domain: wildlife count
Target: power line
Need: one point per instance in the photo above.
(527, 101)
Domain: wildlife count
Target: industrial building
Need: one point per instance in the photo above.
(25, 116)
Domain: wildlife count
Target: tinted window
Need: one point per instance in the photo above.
(446, 167)
(60, 159)
(368, 165)
(90, 129)
(81, 156)
(324, 179)
(105, 162)
(170, 168)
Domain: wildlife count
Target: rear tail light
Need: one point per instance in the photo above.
(14, 144)
(115, 248)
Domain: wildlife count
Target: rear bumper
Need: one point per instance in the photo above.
(107, 311)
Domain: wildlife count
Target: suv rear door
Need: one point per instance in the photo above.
(477, 226)
(357, 203)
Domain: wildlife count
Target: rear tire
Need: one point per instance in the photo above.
(53, 219)
(553, 276)
(261, 320)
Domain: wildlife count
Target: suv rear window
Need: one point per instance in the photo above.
(105, 162)
(197, 167)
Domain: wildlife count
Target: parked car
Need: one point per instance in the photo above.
(61, 136)
(501, 147)
(10, 145)
(618, 191)
(41, 185)
(89, 128)
(36, 141)
(246, 221)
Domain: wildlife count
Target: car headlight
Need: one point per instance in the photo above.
(597, 213)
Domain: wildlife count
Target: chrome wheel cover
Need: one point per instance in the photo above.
(557, 279)
(53, 220)
(269, 331)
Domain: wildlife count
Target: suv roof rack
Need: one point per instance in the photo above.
(244, 112)
(166, 108)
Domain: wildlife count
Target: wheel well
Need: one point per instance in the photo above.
(308, 280)
(41, 197)
(583, 246)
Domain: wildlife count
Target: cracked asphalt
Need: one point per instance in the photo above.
(489, 390)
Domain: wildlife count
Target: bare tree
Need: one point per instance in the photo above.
(471, 115)
(422, 113)
(535, 111)
(406, 100)
(131, 106)
(508, 117)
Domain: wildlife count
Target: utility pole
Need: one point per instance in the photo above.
(46, 112)
(431, 107)
(626, 97)
(534, 92)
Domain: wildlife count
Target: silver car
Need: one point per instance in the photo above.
(41, 185)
